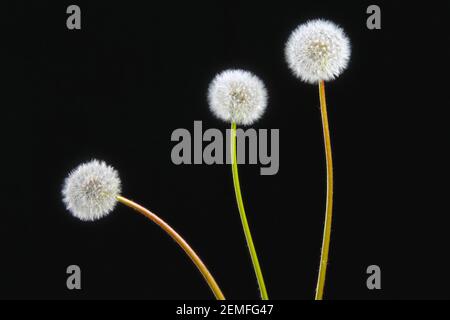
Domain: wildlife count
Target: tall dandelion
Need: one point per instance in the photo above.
(319, 51)
(239, 97)
(92, 190)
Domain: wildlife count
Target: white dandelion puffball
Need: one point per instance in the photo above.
(90, 190)
(237, 96)
(317, 50)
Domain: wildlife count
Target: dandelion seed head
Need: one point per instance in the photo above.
(317, 50)
(237, 96)
(90, 191)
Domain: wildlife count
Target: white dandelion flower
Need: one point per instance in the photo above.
(90, 191)
(318, 50)
(237, 96)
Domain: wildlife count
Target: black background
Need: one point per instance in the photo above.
(116, 89)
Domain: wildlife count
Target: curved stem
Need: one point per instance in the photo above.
(240, 203)
(329, 204)
(183, 244)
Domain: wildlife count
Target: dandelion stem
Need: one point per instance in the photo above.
(183, 244)
(240, 204)
(329, 203)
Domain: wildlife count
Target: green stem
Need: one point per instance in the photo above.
(240, 203)
(329, 203)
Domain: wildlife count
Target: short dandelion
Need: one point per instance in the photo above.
(92, 190)
(319, 51)
(240, 97)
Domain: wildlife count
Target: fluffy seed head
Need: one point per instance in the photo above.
(317, 50)
(237, 96)
(90, 190)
